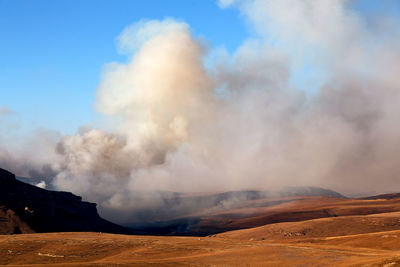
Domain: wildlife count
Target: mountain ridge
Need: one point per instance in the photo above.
(26, 208)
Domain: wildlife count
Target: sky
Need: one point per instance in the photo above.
(52, 52)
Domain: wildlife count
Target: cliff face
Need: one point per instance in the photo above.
(26, 208)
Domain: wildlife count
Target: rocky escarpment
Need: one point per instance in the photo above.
(25, 208)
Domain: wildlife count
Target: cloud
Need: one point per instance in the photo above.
(135, 35)
(226, 3)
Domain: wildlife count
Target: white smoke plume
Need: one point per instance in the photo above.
(243, 123)
(41, 184)
(4, 111)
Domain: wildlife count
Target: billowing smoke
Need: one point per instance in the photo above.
(241, 123)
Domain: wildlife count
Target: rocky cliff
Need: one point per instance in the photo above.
(25, 208)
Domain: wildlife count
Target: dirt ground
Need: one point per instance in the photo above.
(353, 240)
(95, 249)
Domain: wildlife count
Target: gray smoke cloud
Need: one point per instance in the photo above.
(241, 123)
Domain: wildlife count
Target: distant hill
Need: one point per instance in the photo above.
(173, 205)
(25, 208)
(290, 191)
(202, 214)
(383, 196)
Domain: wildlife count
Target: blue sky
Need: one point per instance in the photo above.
(52, 52)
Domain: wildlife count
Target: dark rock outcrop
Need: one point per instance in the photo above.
(40, 210)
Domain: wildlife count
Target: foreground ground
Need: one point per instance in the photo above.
(281, 244)
(92, 249)
(359, 233)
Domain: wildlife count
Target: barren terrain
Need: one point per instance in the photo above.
(369, 238)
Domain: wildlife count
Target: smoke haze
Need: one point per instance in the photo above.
(241, 123)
